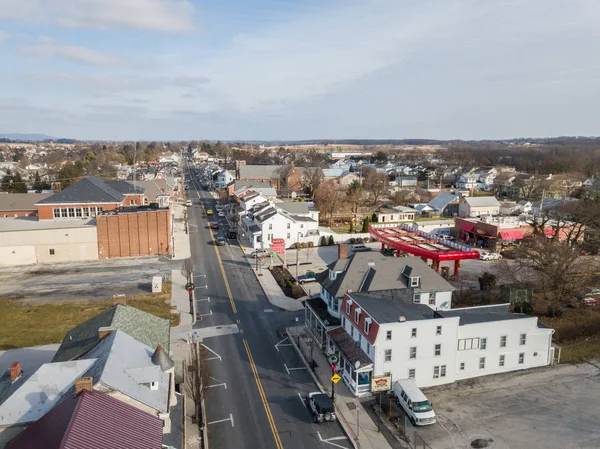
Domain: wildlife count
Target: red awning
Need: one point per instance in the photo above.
(468, 227)
(511, 235)
(551, 231)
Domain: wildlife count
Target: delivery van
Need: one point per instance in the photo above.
(413, 401)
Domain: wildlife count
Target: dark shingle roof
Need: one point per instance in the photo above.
(485, 314)
(89, 190)
(91, 420)
(348, 347)
(144, 327)
(125, 187)
(388, 306)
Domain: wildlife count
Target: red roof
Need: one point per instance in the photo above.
(511, 235)
(92, 420)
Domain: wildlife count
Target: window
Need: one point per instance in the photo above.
(288, 225)
(367, 325)
(523, 339)
(443, 371)
(417, 298)
(92, 211)
(100, 210)
(465, 344)
(51, 252)
(348, 305)
(438, 349)
(288, 235)
(86, 211)
(413, 352)
(78, 212)
(336, 304)
(436, 372)
(521, 358)
(270, 227)
(411, 374)
(483, 343)
(71, 212)
(482, 363)
(357, 315)
(503, 341)
(388, 335)
(56, 213)
(438, 330)
(388, 355)
(63, 212)
(359, 340)
(343, 321)
(414, 282)
(501, 360)
(462, 366)
(413, 332)
(432, 298)
(301, 226)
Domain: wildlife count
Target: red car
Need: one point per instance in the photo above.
(214, 225)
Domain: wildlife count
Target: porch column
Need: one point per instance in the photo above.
(355, 383)
(382, 246)
(456, 265)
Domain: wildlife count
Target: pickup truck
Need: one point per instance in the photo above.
(309, 276)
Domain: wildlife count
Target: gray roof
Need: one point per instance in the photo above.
(348, 347)
(387, 306)
(372, 271)
(33, 224)
(89, 190)
(154, 188)
(293, 207)
(482, 201)
(332, 172)
(162, 359)
(442, 200)
(260, 171)
(303, 218)
(125, 365)
(266, 214)
(485, 314)
(21, 201)
(126, 187)
(42, 391)
(249, 184)
(142, 326)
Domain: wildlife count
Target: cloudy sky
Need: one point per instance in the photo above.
(299, 69)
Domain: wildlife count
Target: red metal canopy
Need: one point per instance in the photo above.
(511, 235)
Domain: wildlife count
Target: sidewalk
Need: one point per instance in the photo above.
(270, 286)
(357, 424)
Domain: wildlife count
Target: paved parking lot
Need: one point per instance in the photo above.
(554, 407)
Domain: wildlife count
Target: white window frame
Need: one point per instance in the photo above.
(417, 298)
(367, 327)
(521, 358)
(503, 341)
(481, 362)
(501, 360)
(436, 372)
(522, 339)
(462, 366)
(413, 332)
(388, 335)
(483, 343)
(51, 252)
(412, 372)
(387, 355)
(412, 354)
(438, 330)
(414, 281)
(56, 212)
(348, 306)
(432, 298)
(437, 350)
(357, 313)
(443, 371)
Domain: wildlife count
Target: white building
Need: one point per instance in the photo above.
(224, 177)
(436, 227)
(395, 214)
(476, 206)
(468, 181)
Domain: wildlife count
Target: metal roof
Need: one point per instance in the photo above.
(293, 207)
(260, 171)
(481, 201)
(388, 306)
(484, 314)
(92, 420)
(89, 190)
(21, 201)
(442, 200)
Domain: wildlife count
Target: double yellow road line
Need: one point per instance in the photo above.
(259, 386)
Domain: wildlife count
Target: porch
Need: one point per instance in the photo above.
(354, 366)
(318, 321)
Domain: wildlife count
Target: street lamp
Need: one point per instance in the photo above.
(298, 332)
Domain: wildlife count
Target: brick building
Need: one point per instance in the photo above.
(14, 205)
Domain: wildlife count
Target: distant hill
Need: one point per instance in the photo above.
(26, 137)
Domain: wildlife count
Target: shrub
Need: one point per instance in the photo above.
(311, 244)
(555, 311)
(303, 245)
(331, 241)
(487, 281)
(297, 291)
(323, 241)
(352, 240)
(351, 227)
(283, 283)
(367, 239)
(365, 225)
(296, 245)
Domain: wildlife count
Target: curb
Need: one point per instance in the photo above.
(345, 426)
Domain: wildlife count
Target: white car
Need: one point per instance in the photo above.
(189, 203)
(221, 214)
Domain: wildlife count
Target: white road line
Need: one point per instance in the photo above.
(280, 344)
(268, 310)
(302, 399)
(217, 355)
(204, 314)
(204, 299)
(292, 369)
(286, 368)
(329, 441)
(223, 420)
(220, 384)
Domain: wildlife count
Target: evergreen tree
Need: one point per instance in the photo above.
(6, 181)
(18, 185)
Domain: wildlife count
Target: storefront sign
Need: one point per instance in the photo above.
(383, 383)
(278, 246)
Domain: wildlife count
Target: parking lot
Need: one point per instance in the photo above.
(553, 407)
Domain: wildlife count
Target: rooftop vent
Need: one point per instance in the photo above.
(402, 318)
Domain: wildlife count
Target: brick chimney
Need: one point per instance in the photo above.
(119, 299)
(104, 332)
(84, 383)
(15, 371)
(342, 251)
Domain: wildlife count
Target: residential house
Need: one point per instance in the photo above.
(404, 181)
(270, 174)
(485, 180)
(468, 181)
(445, 204)
(478, 205)
(224, 177)
(92, 419)
(395, 214)
(388, 333)
(248, 201)
(435, 227)
(331, 174)
(300, 208)
(509, 208)
(13, 205)
(156, 191)
(347, 178)
(243, 187)
(524, 206)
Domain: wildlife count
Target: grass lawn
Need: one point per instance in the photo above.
(581, 351)
(23, 325)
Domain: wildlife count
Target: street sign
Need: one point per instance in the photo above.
(189, 286)
(335, 378)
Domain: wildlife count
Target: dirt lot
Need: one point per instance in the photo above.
(83, 280)
(552, 407)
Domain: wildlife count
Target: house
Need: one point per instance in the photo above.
(91, 419)
(330, 174)
(299, 208)
(477, 206)
(89, 197)
(264, 188)
(435, 227)
(387, 333)
(156, 191)
(524, 206)
(423, 209)
(468, 181)
(224, 177)
(395, 214)
(547, 204)
(403, 181)
(347, 178)
(13, 205)
(248, 201)
(370, 272)
(509, 208)
(144, 327)
(445, 204)
(270, 174)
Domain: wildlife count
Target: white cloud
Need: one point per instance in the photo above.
(156, 15)
(48, 48)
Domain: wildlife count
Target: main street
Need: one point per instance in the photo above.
(256, 389)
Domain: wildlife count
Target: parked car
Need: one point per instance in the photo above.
(259, 253)
(221, 214)
(189, 203)
(414, 402)
(219, 208)
(232, 234)
(220, 241)
(359, 248)
(321, 407)
(209, 212)
(214, 225)
(309, 276)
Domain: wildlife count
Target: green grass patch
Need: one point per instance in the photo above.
(580, 351)
(23, 325)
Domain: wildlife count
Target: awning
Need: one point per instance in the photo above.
(511, 235)
(551, 231)
(468, 227)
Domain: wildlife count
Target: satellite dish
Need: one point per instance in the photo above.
(357, 365)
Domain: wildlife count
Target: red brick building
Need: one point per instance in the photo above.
(15, 205)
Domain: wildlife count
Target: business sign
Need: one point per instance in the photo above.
(278, 246)
(383, 383)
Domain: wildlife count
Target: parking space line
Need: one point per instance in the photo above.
(198, 315)
(217, 355)
(281, 344)
(329, 440)
(220, 384)
(223, 420)
(292, 369)
(302, 399)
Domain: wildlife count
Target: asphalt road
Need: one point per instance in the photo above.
(255, 398)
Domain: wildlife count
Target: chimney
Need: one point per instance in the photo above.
(402, 318)
(104, 332)
(342, 251)
(15, 371)
(119, 299)
(84, 383)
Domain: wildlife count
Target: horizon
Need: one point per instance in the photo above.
(180, 70)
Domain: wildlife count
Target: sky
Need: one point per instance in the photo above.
(299, 69)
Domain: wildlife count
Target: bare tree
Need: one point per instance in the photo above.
(196, 378)
(286, 178)
(375, 184)
(328, 199)
(355, 195)
(312, 177)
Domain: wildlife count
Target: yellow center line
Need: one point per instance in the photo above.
(259, 385)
